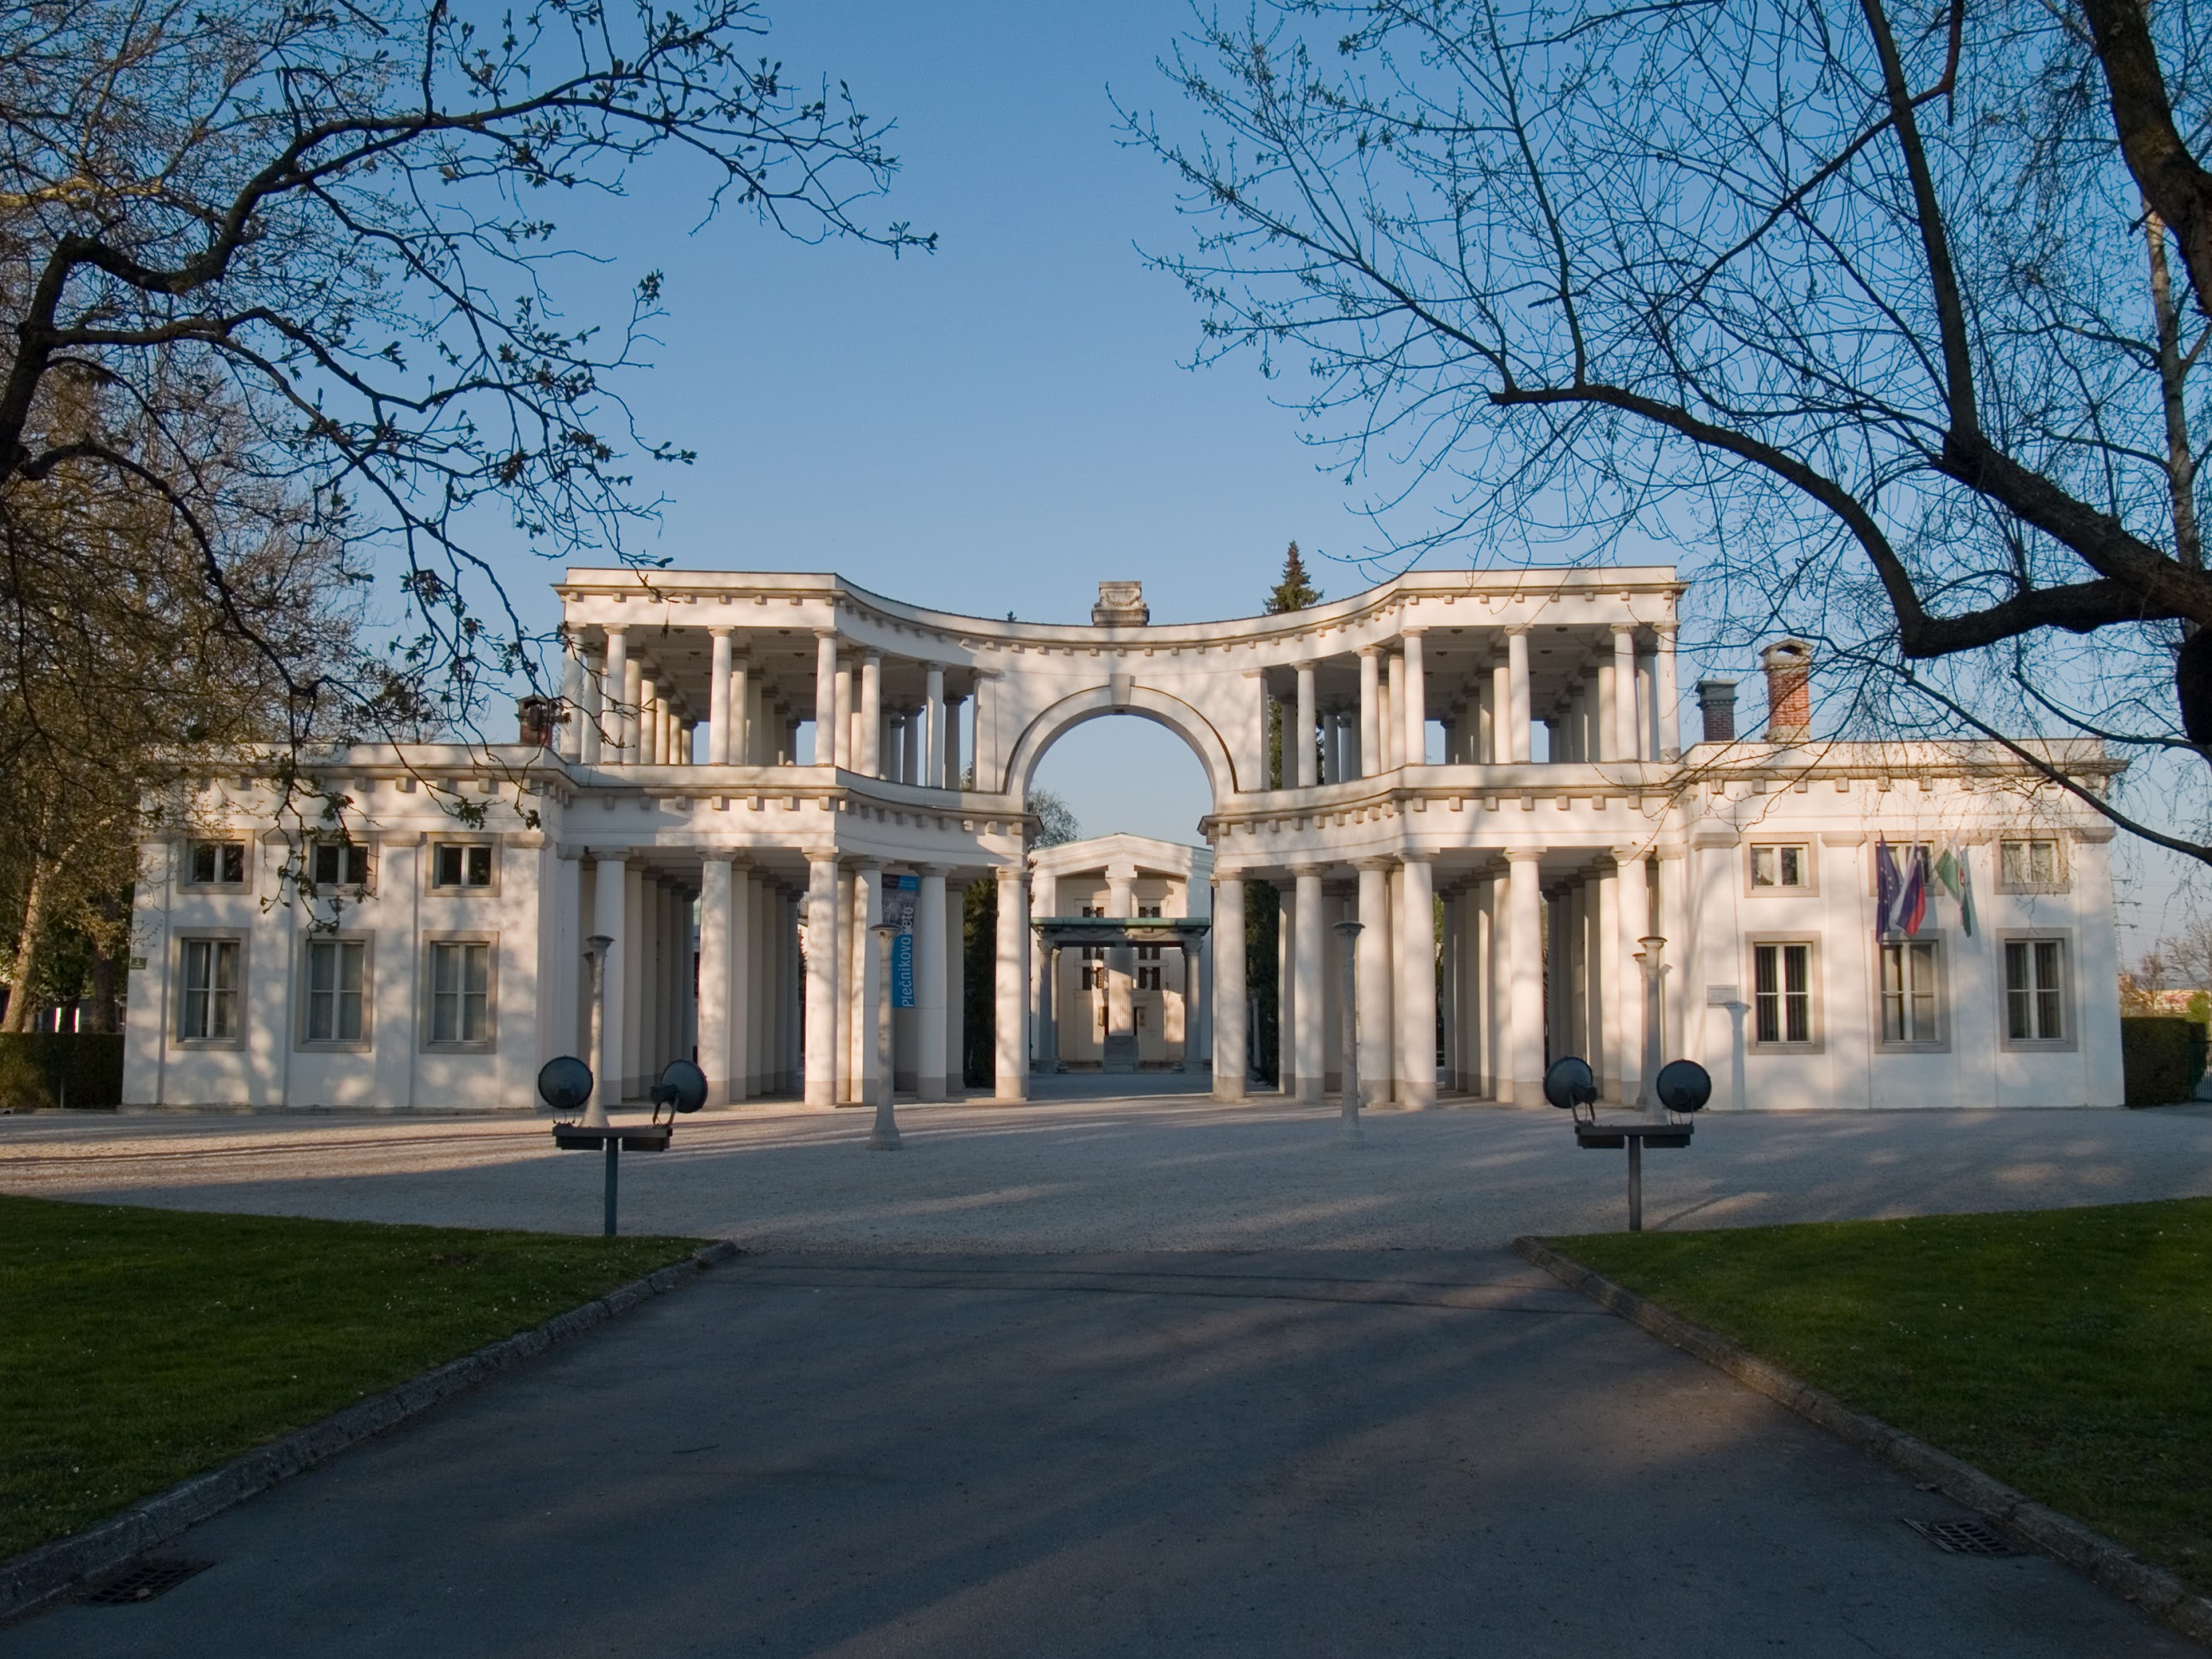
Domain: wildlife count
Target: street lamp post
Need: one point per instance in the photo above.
(1349, 1131)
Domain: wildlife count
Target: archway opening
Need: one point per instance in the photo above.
(1123, 773)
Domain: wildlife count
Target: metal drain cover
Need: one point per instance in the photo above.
(144, 1581)
(1964, 1537)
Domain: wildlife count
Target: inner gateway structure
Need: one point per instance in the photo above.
(1483, 770)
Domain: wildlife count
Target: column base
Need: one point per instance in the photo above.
(1010, 1094)
(929, 1090)
(821, 1091)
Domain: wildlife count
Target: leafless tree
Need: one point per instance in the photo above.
(1853, 298)
(344, 222)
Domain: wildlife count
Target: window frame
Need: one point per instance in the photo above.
(1809, 845)
(1815, 1002)
(245, 882)
(1151, 977)
(181, 942)
(1936, 941)
(431, 1044)
(2061, 882)
(463, 889)
(2069, 1015)
(368, 859)
(303, 1038)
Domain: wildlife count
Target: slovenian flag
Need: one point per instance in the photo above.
(1887, 885)
(1912, 900)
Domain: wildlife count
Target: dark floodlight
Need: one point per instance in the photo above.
(1569, 1082)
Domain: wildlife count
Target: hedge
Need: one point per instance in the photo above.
(2162, 1056)
(60, 1068)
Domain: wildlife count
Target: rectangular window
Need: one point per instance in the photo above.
(2029, 866)
(341, 864)
(1092, 977)
(1781, 866)
(2035, 1000)
(461, 866)
(219, 863)
(1910, 1009)
(460, 993)
(208, 1010)
(1782, 998)
(336, 983)
(1148, 979)
(1093, 952)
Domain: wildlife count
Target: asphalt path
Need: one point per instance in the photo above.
(1147, 1174)
(1264, 1453)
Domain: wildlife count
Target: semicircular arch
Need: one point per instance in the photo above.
(1099, 701)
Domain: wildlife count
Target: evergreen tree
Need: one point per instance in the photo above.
(1296, 591)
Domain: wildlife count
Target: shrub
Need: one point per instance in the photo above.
(56, 1068)
(2162, 1056)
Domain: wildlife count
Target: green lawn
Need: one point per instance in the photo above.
(138, 1346)
(2066, 1352)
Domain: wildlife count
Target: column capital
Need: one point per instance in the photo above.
(1368, 651)
(1629, 628)
(1302, 870)
(1628, 854)
(1009, 874)
(1375, 864)
(721, 630)
(1523, 855)
(940, 871)
(1417, 855)
(1413, 631)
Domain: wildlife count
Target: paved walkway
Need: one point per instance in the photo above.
(1391, 1453)
(1154, 1174)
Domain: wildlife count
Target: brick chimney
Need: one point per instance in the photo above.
(1717, 705)
(536, 716)
(1789, 665)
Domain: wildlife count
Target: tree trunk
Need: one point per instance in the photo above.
(22, 1004)
(2172, 373)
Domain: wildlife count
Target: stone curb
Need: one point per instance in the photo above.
(2154, 1589)
(50, 1572)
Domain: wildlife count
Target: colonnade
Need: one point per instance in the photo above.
(740, 1015)
(1620, 708)
(628, 710)
(844, 966)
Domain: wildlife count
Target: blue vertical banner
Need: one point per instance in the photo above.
(900, 895)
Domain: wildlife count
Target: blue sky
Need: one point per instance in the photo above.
(999, 425)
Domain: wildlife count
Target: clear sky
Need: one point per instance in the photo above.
(1001, 425)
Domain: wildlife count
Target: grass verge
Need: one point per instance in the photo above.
(2068, 1352)
(138, 1346)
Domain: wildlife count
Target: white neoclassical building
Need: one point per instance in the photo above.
(752, 772)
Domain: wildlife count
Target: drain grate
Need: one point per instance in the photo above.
(1964, 1537)
(145, 1581)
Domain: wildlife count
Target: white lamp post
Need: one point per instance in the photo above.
(884, 1137)
(1349, 1132)
(595, 953)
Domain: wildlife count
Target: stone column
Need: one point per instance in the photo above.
(1120, 966)
(823, 881)
(825, 698)
(950, 779)
(867, 980)
(613, 682)
(1193, 989)
(1613, 967)
(1304, 775)
(929, 983)
(1393, 713)
(2097, 1018)
(841, 718)
(1044, 901)
(591, 715)
(869, 761)
(1415, 702)
(1635, 921)
(1517, 714)
(1415, 992)
(569, 735)
(1663, 694)
(717, 954)
(1372, 972)
(933, 727)
(956, 989)
(1013, 989)
(720, 747)
(1286, 990)
(1622, 740)
(1525, 980)
(1372, 757)
(983, 755)
(1229, 989)
(609, 919)
(1673, 871)
(738, 750)
(1047, 1024)
(1307, 969)
(632, 714)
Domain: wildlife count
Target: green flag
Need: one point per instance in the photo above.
(1965, 894)
(1947, 872)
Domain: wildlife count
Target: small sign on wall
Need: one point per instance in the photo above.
(1719, 996)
